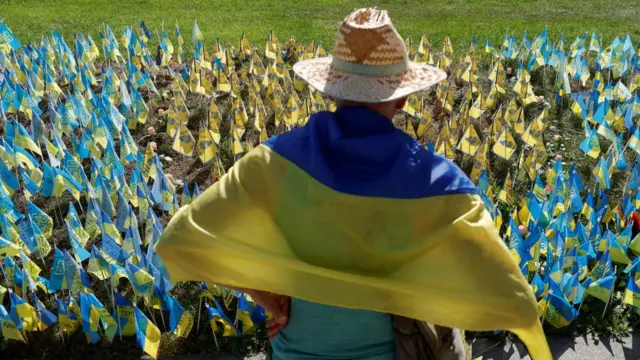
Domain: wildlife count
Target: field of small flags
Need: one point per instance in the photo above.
(104, 139)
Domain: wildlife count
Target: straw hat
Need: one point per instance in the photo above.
(370, 62)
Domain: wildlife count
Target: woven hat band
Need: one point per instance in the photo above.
(371, 70)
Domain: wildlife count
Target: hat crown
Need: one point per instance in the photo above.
(367, 37)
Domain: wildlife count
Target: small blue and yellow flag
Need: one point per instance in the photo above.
(106, 322)
(219, 320)
(141, 281)
(23, 314)
(67, 317)
(8, 41)
(23, 139)
(90, 319)
(125, 313)
(180, 322)
(556, 310)
(112, 252)
(186, 194)
(8, 328)
(47, 318)
(147, 334)
(632, 293)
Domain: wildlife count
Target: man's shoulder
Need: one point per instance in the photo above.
(413, 173)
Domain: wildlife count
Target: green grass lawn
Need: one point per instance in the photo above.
(318, 19)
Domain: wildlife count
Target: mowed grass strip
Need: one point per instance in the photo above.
(308, 20)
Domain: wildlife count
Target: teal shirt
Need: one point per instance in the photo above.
(316, 332)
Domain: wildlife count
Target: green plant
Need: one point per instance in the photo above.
(164, 149)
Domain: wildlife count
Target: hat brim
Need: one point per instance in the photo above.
(338, 84)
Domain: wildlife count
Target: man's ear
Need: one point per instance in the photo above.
(400, 103)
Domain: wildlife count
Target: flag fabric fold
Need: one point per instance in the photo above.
(295, 217)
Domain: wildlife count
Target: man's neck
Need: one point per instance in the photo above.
(385, 109)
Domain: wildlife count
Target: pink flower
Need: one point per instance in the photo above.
(559, 157)
(522, 229)
(160, 112)
(151, 130)
(548, 188)
(557, 137)
(509, 70)
(540, 99)
(153, 145)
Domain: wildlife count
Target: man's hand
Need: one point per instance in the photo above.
(278, 305)
(274, 325)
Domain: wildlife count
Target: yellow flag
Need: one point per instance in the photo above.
(445, 134)
(505, 192)
(206, 85)
(182, 86)
(497, 74)
(251, 103)
(214, 116)
(181, 108)
(292, 112)
(319, 104)
(172, 121)
(259, 125)
(235, 85)
(477, 107)
(470, 142)
(540, 153)
(184, 325)
(412, 105)
(222, 83)
(255, 66)
(505, 146)
(445, 149)
(531, 166)
(194, 82)
(423, 124)
(529, 97)
(492, 99)
(10, 330)
(532, 133)
(479, 162)
(236, 145)
(206, 146)
(511, 113)
(518, 121)
(183, 141)
(239, 113)
(278, 65)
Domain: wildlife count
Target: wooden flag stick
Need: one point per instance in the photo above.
(153, 317)
(606, 306)
(64, 344)
(115, 309)
(215, 338)
(198, 321)
(162, 318)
